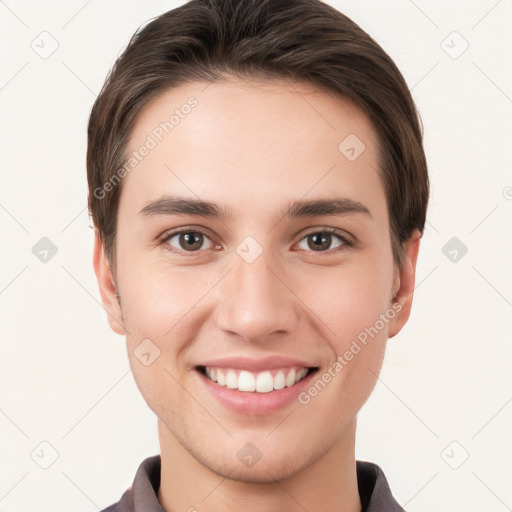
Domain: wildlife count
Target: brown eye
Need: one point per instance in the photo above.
(188, 241)
(322, 241)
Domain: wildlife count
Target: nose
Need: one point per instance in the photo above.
(256, 302)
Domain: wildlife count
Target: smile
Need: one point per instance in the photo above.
(260, 382)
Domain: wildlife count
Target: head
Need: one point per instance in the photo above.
(284, 145)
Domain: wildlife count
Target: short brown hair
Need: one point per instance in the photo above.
(303, 40)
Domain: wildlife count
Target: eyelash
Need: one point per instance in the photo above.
(346, 241)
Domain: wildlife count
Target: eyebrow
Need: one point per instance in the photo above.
(175, 205)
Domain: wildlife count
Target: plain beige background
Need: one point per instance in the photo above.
(445, 392)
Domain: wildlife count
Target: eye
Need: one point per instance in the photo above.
(193, 241)
(188, 241)
(324, 241)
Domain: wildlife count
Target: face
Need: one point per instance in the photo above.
(284, 262)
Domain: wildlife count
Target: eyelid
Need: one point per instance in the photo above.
(343, 235)
(347, 239)
(186, 229)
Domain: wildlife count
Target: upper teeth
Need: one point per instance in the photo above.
(262, 382)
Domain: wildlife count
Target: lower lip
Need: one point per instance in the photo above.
(254, 403)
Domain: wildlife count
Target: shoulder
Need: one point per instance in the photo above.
(141, 495)
(125, 504)
(374, 489)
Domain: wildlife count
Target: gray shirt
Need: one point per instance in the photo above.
(142, 495)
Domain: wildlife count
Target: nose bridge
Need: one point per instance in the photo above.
(255, 302)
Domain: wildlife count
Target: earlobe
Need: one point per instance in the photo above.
(405, 281)
(107, 287)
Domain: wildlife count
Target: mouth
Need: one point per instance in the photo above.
(265, 381)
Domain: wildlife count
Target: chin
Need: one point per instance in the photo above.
(261, 473)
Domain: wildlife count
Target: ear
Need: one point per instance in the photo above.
(107, 287)
(404, 285)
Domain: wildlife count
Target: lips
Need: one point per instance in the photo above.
(248, 396)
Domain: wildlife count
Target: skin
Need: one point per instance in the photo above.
(255, 146)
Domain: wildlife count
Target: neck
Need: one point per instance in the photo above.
(328, 484)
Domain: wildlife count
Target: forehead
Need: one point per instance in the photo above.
(251, 142)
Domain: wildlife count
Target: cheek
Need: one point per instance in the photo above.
(352, 306)
(349, 301)
(156, 299)
(160, 306)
